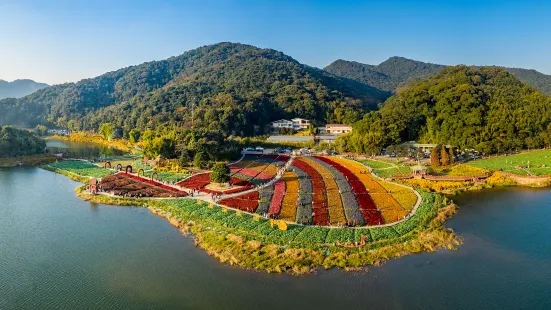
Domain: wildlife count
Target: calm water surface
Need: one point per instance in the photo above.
(81, 149)
(59, 252)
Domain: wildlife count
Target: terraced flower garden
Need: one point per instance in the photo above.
(328, 191)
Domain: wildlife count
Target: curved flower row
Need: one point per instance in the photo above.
(289, 204)
(352, 211)
(277, 198)
(305, 198)
(334, 202)
(266, 194)
(319, 201)
(369, 209)
(391, 209)
(151, 182)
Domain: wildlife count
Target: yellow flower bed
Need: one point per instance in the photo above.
(272, 170)
(334, 202)
(466, 170)
(289, 204)
(406, 199)
(436, 186)
(390, 209)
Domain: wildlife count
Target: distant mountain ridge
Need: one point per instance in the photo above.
(390, 74)
(231, 87)
(19, 88)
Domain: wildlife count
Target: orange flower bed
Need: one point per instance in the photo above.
(390, 209)
(334, 202)
(289, 204)
(392, 200)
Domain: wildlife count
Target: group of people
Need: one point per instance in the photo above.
(215, 197)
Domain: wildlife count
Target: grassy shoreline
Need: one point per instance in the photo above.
(33, 160)
(239, 239)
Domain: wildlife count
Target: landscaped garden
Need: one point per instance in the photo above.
(329, 191)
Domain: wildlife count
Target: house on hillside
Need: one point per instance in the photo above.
(337, 129)
(424, 147)
(296, 124)
(282, 123)
(300, 124)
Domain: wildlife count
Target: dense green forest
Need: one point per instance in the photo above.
(19, 142)
(234, 88)
(485, 108)
(386, 76)
(393, 73)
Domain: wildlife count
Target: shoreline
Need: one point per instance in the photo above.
(271, 250)
(31, 160)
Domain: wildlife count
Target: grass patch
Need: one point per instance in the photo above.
(536, 162)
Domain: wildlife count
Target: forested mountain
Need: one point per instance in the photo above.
(234, 88)
(388, 75)
(485, 108)
(19, 88)
(19, 142)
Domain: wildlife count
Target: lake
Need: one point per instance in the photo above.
(60, 252)
(81, 149)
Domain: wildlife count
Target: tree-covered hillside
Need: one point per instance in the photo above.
(386, 76)
(485, 108)
(19, 88)
(19, 142)
(393, 73)
(233, 87)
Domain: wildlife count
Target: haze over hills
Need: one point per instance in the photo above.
(388, 75)
(232, 87)
(19, 88)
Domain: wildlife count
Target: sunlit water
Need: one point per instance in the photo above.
(81, 149)
(60, 252)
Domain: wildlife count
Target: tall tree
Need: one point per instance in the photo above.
(452, 156)
(444, 157)
(434, 156)
(106, 130)
(220, 173)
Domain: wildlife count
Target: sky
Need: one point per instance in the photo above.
(66, 41)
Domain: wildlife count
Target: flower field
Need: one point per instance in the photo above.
(258, 169)
(123, 184)
(334, 202)
(289, 204)
(324, 191)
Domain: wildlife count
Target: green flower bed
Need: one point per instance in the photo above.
(80, 168)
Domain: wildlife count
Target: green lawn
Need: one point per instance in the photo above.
(168, 176)
(383, 173)
(536, 162)
(375, 164)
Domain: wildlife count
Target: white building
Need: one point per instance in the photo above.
(282, 123)
(296, 124)
(337, 129)
(300, 124)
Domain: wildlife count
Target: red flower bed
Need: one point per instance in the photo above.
(196, 182)
(277, 198)
(369, 210)
(151, 182)
(241, 204)
(319, 204)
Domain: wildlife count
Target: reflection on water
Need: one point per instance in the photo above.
(81, 149)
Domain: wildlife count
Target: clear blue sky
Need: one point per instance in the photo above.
(65, 41)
